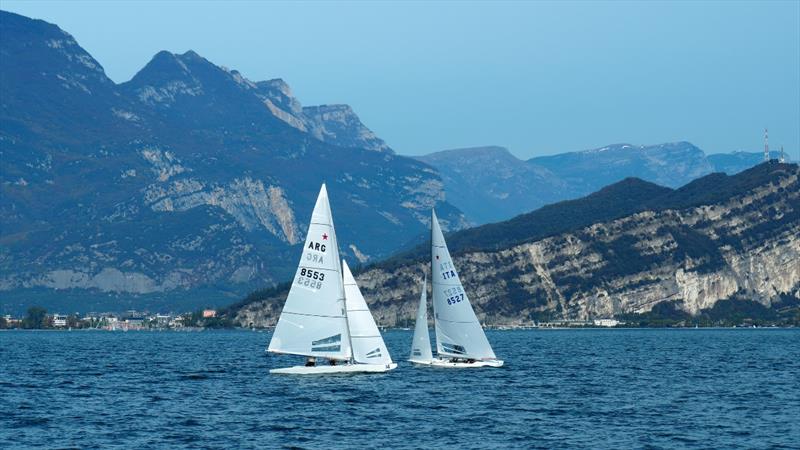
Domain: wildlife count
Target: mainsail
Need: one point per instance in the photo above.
(421, 344)
(313, 321)
(458, 332)
(368, 345)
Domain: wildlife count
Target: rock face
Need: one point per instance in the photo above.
(188, 181)
(490, 184)
(708, 241)
(338, 123)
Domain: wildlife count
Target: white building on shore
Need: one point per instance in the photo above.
(59, 321)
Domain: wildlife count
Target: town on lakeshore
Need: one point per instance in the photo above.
(132, 320)
(38, 318)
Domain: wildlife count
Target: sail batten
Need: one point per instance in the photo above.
(308, 315)
(458, 331)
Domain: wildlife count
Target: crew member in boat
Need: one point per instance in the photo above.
(332, 362)
(311, 361)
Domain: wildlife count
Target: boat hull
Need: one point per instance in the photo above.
(421, 362)
(446, 363)
(332, 370)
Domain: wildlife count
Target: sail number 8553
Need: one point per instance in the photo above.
(455, 299)
(310, 278)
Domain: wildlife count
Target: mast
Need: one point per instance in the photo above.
(435, 316)
(346, 318)
(341, 288)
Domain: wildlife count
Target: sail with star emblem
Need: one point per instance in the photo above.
(314, 318)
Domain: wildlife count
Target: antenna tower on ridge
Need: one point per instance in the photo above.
(766, 146)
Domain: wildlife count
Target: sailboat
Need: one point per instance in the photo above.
(460, 340)
(325, 316)
(421, 344)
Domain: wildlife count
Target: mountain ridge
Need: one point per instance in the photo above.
(178, 182)
(490, 184)
(719, 238)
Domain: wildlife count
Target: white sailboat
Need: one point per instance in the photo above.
(315, 321)
(460, 340)
(421, 344)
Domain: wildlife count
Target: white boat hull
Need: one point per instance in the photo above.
(421, 362)
(446, 363)
(338, 369)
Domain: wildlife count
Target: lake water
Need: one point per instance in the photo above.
(559, 388)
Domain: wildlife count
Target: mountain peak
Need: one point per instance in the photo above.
(611, 148)
(166, 65)
(191, 54)
(277, 84)
(45, 50)
(489, 151)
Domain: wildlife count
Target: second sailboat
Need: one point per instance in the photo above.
(460, 340)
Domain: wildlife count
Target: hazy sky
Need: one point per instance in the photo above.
(536, 77)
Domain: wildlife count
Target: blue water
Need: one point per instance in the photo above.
(560, 388)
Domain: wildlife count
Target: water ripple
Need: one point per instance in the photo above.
(566, 389)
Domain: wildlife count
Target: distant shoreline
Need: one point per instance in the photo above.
(261, 330)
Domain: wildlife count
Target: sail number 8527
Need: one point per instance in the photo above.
(455, 299)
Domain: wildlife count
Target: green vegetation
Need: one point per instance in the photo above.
(615, 201)
(255, 296)
(612, 202)
(736, 311)
(36, 318)
(196, 319)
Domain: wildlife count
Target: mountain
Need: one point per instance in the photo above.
(490, 184)
(736, 162)
(671, 165)
(631, 248)
(188, 185)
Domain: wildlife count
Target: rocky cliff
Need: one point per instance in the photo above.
(717, 238)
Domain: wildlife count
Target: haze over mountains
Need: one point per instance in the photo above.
(490, 184)
(191, 185)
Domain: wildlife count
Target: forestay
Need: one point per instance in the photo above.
(421, 344)
(458, 332)
(313, 321)
(368, 345)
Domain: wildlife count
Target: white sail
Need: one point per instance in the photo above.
(458, 332)
(421, 344)
(368, 345)
(313, 321)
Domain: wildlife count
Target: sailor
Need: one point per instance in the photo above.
(311, 361)
(333, 362)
